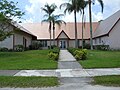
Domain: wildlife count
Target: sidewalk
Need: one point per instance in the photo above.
(69, 67)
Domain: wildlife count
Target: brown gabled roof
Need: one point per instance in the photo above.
(61, 33)
(107, 25)
(42, 30)
(21, 28)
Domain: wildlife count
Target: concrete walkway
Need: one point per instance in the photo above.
(8, 72)
(64, 72)
(67, 61)
(66, 56)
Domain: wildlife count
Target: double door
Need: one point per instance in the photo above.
(63, 44)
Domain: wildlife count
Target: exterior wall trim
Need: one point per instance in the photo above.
(64, 33)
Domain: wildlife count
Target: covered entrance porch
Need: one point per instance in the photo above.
(63, 40)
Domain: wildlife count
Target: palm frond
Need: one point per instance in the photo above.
(45, 20)
(64, 5)
(45, 10)
(102, 4)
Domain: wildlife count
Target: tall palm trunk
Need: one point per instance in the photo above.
(53, 33)
(50, 33)
(76, 41)
(82, 27)
(90, 18)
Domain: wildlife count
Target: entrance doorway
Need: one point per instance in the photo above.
(63, 44)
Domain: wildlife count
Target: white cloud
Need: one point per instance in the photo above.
(98, 16)
(36, 14)
(34, 9)
(110, 7)
(30, 20)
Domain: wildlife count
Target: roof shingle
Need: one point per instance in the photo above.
(42, 31)
(106, 25)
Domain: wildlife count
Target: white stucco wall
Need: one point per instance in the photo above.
(8, 43)
(71, 43)
(104, 41)
(48, 42)
(18, 36)
(114, 37)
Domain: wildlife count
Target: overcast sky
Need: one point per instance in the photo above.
(33, 12)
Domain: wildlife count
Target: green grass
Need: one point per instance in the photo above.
(25, 82)
(36, 59)
(102, 59)
(107, 80)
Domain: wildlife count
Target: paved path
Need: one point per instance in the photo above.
(66, 56)
(64, 72)
(8, 72)
(67, 61)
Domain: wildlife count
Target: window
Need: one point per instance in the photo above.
(100, 40)
(24, 42)
(44, 43)
(95, 41)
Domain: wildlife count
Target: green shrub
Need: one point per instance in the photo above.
(54, 53)
(102, 47)
(78, 53)
(81, 54)
(4, 49)
(55, 50)
(11, 50)
(72, 50)
(87, 46)
(53, 56)
(35, 46)
(19, 48)
(84, 56)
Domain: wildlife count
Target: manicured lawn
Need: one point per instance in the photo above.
(36, 59)
(10, 81)
(102, 59)
(107, 80)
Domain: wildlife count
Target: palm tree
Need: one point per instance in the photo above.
(72, 7)
(82, 5)
(90, 18)
(49, 9)
(56, 20)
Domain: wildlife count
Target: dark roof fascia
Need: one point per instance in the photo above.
(113, 26)
(109, 30)
(101, 36)
(60, 34)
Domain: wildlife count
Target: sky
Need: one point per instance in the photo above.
(33, 12)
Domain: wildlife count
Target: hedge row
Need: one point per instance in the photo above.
(54, 53)
(79, 54)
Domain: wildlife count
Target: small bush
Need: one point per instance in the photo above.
(87, 46)
(54, 53)
(78, 54)
(53, 56)
(11, 50)
(81, 54)
(19, 48)
(101, 47)
(72, 50)
(35, 46)
(4, 49)
(55, 50)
